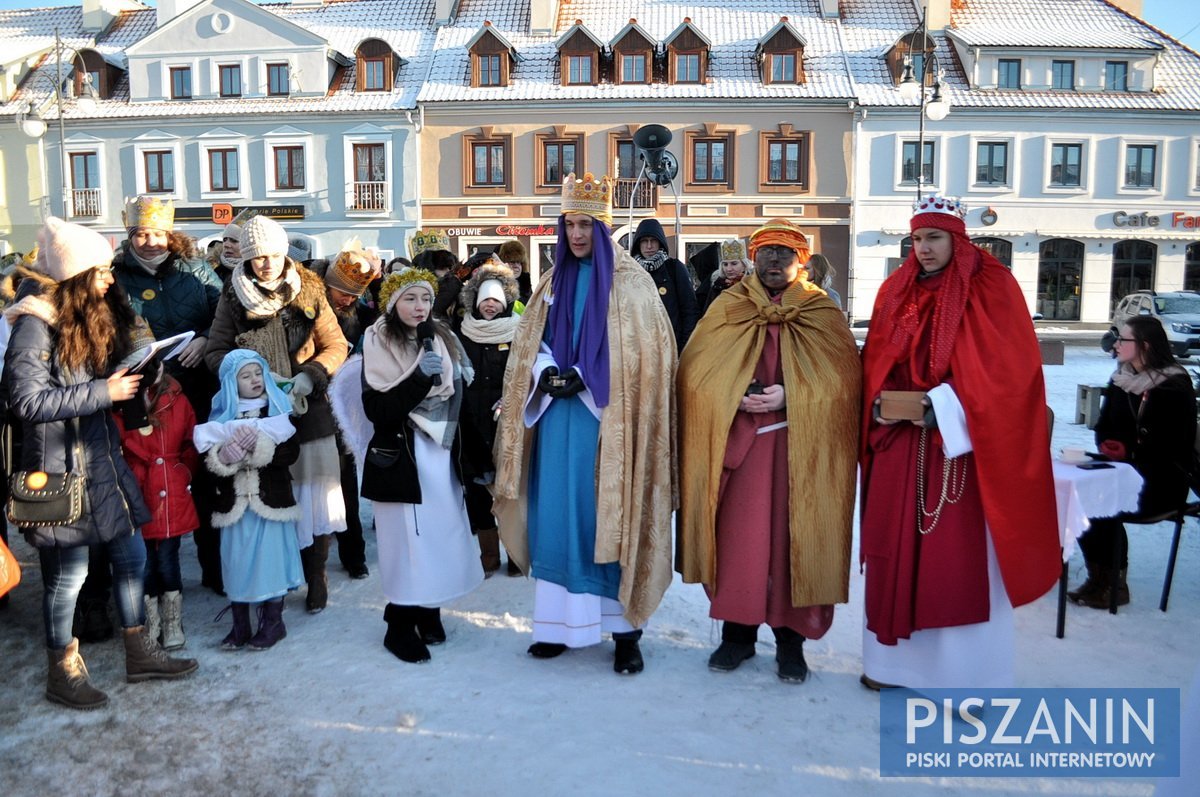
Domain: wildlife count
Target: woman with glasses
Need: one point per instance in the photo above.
(70, 326)
(1148, 419)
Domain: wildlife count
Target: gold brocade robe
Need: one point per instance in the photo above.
(821, 381)
(636, 478)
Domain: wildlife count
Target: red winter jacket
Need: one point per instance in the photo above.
(163, 462)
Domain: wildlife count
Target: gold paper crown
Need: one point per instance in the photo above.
(589, 196)
(148, 211)
(398, 281)
(351, 269)
(733, 249)
(428, 241)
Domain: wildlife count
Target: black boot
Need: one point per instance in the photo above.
(237, 638)
(628, 656)
(92, 623)
(401, 637)
(546, 650)
(1095, 584)
(313, 559)
(429, 625)
(271, 628)
(737, 645)
(789, 655)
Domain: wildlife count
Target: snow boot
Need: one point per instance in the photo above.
(429, 625)
(737, 645)
(240, 634)
(92, 623)
(270, 625)
(489, 551)
(1100, 599)
(145, 660)
(789, 655)
(153, 619)
(627, 659)
(546, 650)
(67, 680)
(313, 560)
(172, 620)
(1095, 583)
(401, 639)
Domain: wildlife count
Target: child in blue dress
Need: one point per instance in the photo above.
(249, 443)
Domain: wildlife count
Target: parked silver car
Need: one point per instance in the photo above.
(1177, 311)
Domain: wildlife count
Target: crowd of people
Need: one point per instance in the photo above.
(616, 422)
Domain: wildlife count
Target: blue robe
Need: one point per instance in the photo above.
(562, 487)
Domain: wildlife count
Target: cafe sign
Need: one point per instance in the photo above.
(503, 230)
(1176, 220)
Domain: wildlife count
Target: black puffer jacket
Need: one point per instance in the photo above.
(45, 400)
(1159, 438)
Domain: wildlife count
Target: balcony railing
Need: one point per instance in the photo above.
(370, 196)
(624, 196)
(85, 202)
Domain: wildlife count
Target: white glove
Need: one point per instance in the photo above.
(302, 384)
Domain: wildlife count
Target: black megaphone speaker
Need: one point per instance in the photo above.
(652, 140)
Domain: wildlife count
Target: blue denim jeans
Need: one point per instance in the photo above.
(162, 567)
(63, 572)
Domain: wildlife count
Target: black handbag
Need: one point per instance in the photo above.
(37, 498)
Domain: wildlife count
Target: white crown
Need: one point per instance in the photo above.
(951, 206)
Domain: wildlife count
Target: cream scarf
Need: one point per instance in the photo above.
(498, 330)
(266, 305)
(1132, 381)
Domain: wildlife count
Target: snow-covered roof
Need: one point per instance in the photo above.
(987, 35)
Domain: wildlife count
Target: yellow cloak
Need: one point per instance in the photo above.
(821, 382)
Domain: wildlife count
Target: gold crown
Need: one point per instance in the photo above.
(733, 249)
(351, 270)
(397, 281)
(148, 211)
(589, 196)
(428, 241)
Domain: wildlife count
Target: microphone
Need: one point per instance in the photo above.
(425, 335)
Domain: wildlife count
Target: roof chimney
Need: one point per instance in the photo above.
(169, 9)
(1130, 6)
(99, 14)
(829, 9)
(937, 13)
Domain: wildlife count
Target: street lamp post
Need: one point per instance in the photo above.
(913, 87)
(33, 125)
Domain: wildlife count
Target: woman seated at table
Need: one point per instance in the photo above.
(1148, 419)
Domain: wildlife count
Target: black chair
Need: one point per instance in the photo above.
(1191, 509)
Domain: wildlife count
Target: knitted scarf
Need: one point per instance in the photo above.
(653, 262)
(261, 301)
(1132, 381)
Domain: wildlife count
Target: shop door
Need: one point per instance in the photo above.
(1060, 275)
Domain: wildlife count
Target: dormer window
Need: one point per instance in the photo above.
(376, 65)
(579, 56)
(780, 54)
(100, 74)
(231, 79)
(633, 54)
(687, 54)
(1116, 76)
(279, 80)
(914, 47)
(181, 82)
(492, 58)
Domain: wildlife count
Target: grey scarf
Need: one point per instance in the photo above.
(655, 260)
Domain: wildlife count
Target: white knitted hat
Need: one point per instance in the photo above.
(263, 236)
(491, 289)
(66, 250)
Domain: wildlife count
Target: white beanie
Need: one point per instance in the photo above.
(491, 289)
(66, 250)
(263, 236)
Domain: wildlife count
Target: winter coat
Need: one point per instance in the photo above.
(163, 462)
(182, 296)
(262, 482)
(708, 294)
(674, 284)
(50, 404)
(445, 304)
(1159, 443)
(477, 418)
(390, 471)
(314, 341)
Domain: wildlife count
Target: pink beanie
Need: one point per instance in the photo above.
(66, 250)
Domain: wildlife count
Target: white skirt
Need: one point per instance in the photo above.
(573, 619)
(427, 554)
(981, 655)
(317, 487)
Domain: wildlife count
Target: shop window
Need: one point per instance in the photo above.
(1060, 277)
(1133, 269)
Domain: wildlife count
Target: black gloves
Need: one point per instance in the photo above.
(560, 387)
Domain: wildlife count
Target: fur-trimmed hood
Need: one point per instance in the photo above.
(489, 271)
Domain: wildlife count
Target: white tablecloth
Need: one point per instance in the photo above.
(1082, 494)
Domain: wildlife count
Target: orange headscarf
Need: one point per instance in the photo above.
(780, 232)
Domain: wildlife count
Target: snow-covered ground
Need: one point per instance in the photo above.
(330, 712)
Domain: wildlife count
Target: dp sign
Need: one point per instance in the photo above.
(222, 213)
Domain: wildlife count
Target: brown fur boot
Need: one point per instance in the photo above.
(1095, 583)
(67, 680)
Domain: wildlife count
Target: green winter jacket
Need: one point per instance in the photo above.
(182, 296)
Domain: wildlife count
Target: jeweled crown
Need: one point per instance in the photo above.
(427, 241)
(590, 196)
(951, 206)
(149, 211)
(733, 249)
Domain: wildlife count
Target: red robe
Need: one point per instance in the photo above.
(994, 367)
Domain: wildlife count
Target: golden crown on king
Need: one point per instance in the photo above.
(428, 240)
(733, 249)
(589, 196)
(150, 212)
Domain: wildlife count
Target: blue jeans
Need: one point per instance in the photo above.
(63, 572)
(162, 567)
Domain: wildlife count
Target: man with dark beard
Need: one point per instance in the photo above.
(346, 279)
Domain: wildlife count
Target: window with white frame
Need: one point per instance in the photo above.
(1141, 162)
(991, 163)
(1062, 75)
(1009, 73)
(633, 68)
(370, 188)
(287, 161)
(579, 70)
(909, 162)
(85, 184)
(223, 170)
(1066, 164)
(157, 156)
(159, 166)
(289, 167)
